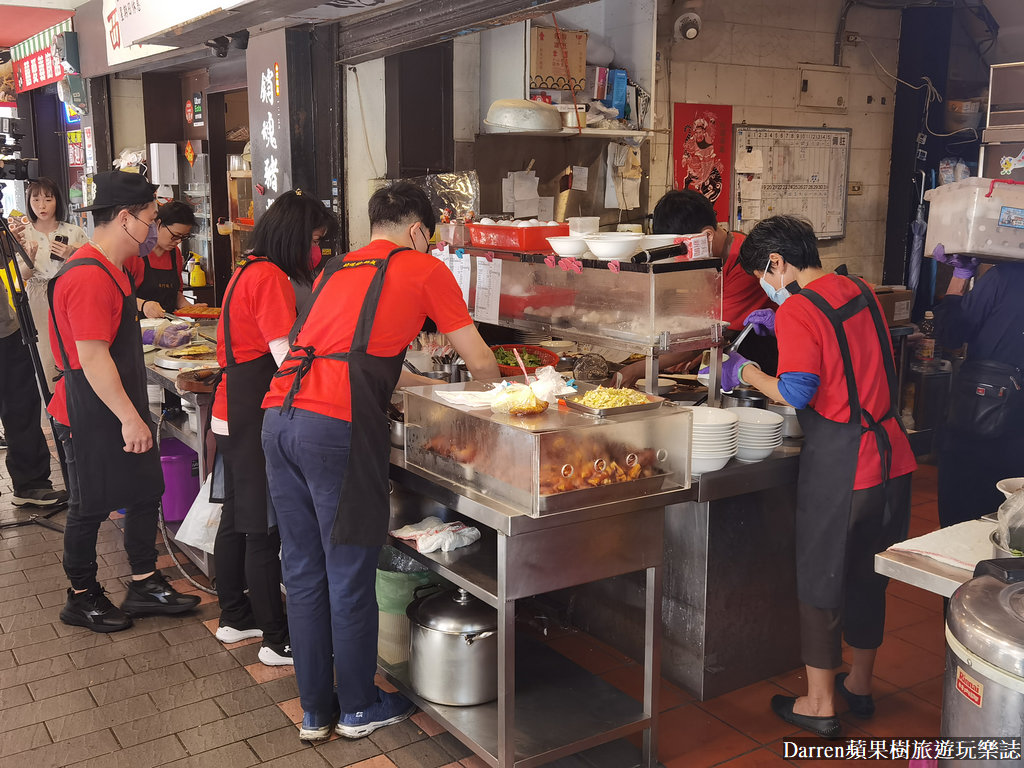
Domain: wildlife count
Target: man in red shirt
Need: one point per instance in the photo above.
(102, 411)
(327, 445)
(853, 494)
(687, 212)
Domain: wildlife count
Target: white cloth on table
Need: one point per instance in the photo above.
(962, 545)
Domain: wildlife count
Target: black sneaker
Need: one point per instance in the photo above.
(153, 596)
(40, 497)
(93, 610)
(276, 655)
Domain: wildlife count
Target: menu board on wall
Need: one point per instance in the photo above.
(798, 171)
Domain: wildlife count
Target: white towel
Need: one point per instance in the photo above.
(962, 545)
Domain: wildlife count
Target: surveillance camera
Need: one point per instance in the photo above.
(687, 26)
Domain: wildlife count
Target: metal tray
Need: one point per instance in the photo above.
(163, 360)
(653, 401)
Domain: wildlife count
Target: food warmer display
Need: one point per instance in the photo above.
(556, 461)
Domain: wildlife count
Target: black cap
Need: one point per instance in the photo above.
(120, 188)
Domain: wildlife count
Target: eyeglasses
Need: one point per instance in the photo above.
(147, 223)
(175, 237)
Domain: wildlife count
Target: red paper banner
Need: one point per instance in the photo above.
(702, 152)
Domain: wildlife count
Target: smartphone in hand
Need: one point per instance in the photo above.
(56, 254)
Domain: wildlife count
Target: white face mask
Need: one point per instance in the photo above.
(778, 295)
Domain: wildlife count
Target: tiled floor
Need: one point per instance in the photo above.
(166, 693)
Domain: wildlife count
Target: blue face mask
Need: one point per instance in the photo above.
(778, 295)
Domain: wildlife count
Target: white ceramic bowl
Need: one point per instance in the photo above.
(706, 415)
(699, 466)
(756, 416)
(716, 449)
(709, 454)
(558, 346)
(1010, 485)
(753, 454)
(613, 245)
(568, 245)
(658, 241)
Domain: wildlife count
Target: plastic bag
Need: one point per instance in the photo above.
(1011, 523)
(199, 528)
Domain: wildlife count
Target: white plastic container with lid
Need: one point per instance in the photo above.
(980, 217)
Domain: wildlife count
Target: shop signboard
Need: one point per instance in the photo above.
(140, 19)
(76, 148)
(45, 58)
(267, 66)
(120, 48)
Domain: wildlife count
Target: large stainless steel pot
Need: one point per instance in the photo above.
(744, 397)
(454, 649)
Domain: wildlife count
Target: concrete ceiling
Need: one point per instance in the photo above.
(1009, 45)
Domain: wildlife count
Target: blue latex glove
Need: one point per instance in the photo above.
(964, 267)
(763, 321)
(731, 371)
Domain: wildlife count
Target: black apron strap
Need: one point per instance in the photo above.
(228, 351)
(52, 284)
(838, 316)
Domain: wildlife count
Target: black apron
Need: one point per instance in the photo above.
(363, 507)
(108, 477)
(828, 462)
(161, 285)
(246, 386)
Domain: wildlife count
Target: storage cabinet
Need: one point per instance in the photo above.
(628, 26)
(240, 211)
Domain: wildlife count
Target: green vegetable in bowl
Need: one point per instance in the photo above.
(507, 357)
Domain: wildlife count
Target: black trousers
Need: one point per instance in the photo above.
(81, 529)
(28, 458)
(879, 517)
(969, 469)
(251, 559)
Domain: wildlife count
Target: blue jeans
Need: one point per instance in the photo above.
(332, 602)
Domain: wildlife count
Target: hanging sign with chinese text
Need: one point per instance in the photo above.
(266, 63)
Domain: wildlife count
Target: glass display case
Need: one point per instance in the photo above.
(556, 461)
(194, 181)
(240, 211)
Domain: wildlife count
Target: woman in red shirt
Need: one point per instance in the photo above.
(252, 339)
(853, 494)
(157, 274)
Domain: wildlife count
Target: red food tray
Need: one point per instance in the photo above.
(530, 239)
(515, 306)
(547, 357)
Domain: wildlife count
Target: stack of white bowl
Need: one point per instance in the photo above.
(760, 433)
(715, 439)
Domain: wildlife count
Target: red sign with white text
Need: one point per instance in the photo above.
(37, 70)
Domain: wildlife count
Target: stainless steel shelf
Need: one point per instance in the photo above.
(474, 568)
(560, 709)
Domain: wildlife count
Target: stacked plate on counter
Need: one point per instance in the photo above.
(759, 433)
(715, 439)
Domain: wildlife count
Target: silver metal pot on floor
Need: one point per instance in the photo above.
(454, 649)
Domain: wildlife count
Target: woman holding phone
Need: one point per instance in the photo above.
(54, 239)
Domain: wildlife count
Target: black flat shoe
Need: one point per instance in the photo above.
(826, 727)
(860, 705)
(153, 596)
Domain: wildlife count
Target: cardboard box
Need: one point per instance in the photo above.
(597, 82)
(896, 305)
(547, 59)
(616, 96)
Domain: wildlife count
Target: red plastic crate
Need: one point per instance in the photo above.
(529, 239)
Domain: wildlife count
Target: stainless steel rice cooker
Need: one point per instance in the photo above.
(983, 693)
(454, 649)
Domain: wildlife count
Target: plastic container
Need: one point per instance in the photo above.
(524, 239)
(181, 478)
(398, 576)
(980, 217)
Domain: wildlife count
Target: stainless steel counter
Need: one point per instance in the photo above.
(547, 706)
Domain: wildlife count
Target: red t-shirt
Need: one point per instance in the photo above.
(136, 267)
(87, 307)
(417, 286)
(262, 309)
(741, 293)
(807, 343)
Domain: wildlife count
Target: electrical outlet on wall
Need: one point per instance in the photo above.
(852, 38)
(855, 188)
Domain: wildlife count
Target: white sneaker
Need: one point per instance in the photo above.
(276, 655)
(227, 634)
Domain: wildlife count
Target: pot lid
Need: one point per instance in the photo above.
(987, 616)
(455, 613)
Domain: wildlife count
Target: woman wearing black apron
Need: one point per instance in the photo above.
(158, 273)
(853, 493)
(326, 439)
(252, 339)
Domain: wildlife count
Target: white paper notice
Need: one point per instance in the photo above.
(488, 290)
(462, 268)
(750, 190)
(524, 185)
(508, 197)
(580, 176)
(748, 162)
(527, 208)
(545, 208)
(751, 210)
